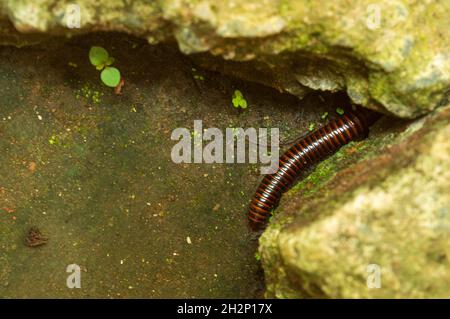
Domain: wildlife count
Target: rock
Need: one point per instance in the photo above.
(382, 201)
(391, 55)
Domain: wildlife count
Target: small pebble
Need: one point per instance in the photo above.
(32, 166)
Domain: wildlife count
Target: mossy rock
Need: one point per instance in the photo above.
(388, 205)
(388, 55)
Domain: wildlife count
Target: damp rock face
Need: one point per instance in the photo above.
(391, 55)
(387, 214)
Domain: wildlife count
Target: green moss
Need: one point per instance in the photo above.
(322, 173)
(89, 93)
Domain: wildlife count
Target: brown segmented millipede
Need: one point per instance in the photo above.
(314, 147)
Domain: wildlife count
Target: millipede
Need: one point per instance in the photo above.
(316, 146)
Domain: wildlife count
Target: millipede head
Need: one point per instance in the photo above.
(255, 226)
(256, 222)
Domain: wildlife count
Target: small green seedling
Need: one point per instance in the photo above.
(102, 61)
(312, 126)
(340, 111)
(100, 58)
(257, 256)
(324, 115)
(239, 100)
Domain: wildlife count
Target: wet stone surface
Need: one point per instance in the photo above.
(93, 172)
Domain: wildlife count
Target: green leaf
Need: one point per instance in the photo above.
(110, 76)
(340, 111)
(98, 55)
(110, 61)
(239, 100)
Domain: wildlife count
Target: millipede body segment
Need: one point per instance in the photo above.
(314, 147)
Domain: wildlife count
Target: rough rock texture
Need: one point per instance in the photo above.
(389, 206)
(391, 54)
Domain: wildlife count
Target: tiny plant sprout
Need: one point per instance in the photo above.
(110, 76)
(102, 61)
(238, 100)
(340, 111)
